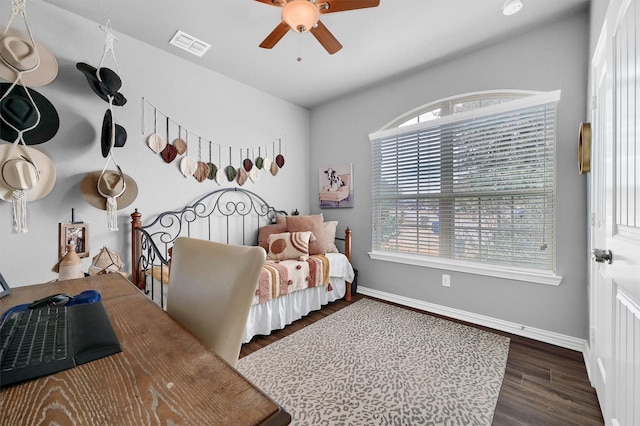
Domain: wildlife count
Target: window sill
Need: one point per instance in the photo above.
(528, 275)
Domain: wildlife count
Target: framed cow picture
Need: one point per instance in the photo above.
(336, 186)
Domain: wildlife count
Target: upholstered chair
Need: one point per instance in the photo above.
(211, 290)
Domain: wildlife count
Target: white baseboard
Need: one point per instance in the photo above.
(545, 336)
(586, 354)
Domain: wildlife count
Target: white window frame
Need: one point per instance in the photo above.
(514, 100)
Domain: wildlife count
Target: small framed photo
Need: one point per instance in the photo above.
(76, 234)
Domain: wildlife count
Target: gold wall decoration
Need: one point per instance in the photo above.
(584, 148)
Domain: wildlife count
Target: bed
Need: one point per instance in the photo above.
(290, 286)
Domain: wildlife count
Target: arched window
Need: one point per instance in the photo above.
(468, 183)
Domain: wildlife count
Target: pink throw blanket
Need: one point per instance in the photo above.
(279, 278)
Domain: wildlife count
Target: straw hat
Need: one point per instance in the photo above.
(18, 53)
(104, 83)
(18, 173)
(111, 184)
(18, 111)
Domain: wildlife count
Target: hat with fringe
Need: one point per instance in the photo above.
(26, 174)
(97, 186)
(36, 175)
(109, 190)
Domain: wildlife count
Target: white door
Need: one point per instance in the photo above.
(600, 293)
(615, 227)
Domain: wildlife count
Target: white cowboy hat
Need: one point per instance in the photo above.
(18, 53)
(18, 173)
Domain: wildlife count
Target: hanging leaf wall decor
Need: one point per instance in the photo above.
(230, 171)
(188, 165)
(169, 152)
(280, 157)
(212, 167)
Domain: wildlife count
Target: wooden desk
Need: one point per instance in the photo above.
(164, 375)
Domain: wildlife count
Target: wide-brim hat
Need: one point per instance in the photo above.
(104, 83)
(18, 110)
(17, 172)
(111, 131)
(18, 52)
(111, 181)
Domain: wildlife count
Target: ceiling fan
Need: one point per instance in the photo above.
(303, 15)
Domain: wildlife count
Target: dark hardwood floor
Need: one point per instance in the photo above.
(543, 384)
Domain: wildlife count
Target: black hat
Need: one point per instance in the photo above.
(18, 110)
(111, 130)
(104, 83)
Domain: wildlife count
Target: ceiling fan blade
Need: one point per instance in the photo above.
(271, 2)
(326, 39)
(275, 36)
(342, 5)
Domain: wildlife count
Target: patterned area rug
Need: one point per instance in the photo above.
(376, 364)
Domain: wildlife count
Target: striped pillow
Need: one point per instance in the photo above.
(290, 245)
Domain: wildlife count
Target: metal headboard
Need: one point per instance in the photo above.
(231, 215)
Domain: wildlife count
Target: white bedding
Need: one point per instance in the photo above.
(275, 314)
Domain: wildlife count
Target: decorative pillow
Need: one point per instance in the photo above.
(313, 223)
(330, 235)
(265, 231)
(159, 273)
(281, 218)
(289, 245)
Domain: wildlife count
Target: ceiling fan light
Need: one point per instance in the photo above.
(300, 15)
(511, 7)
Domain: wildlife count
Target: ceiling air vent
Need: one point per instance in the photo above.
(189, 43)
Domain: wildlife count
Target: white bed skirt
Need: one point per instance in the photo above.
(275, 314)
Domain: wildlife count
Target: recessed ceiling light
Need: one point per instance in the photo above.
(511, 7)
(189, 43)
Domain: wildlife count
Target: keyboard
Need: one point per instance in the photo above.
(38, 342)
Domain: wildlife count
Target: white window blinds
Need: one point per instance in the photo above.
(477, 186)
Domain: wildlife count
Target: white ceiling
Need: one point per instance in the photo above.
(394, 38)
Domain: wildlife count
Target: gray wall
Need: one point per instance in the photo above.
(549, 58)
(208, 104)
(598, 11)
